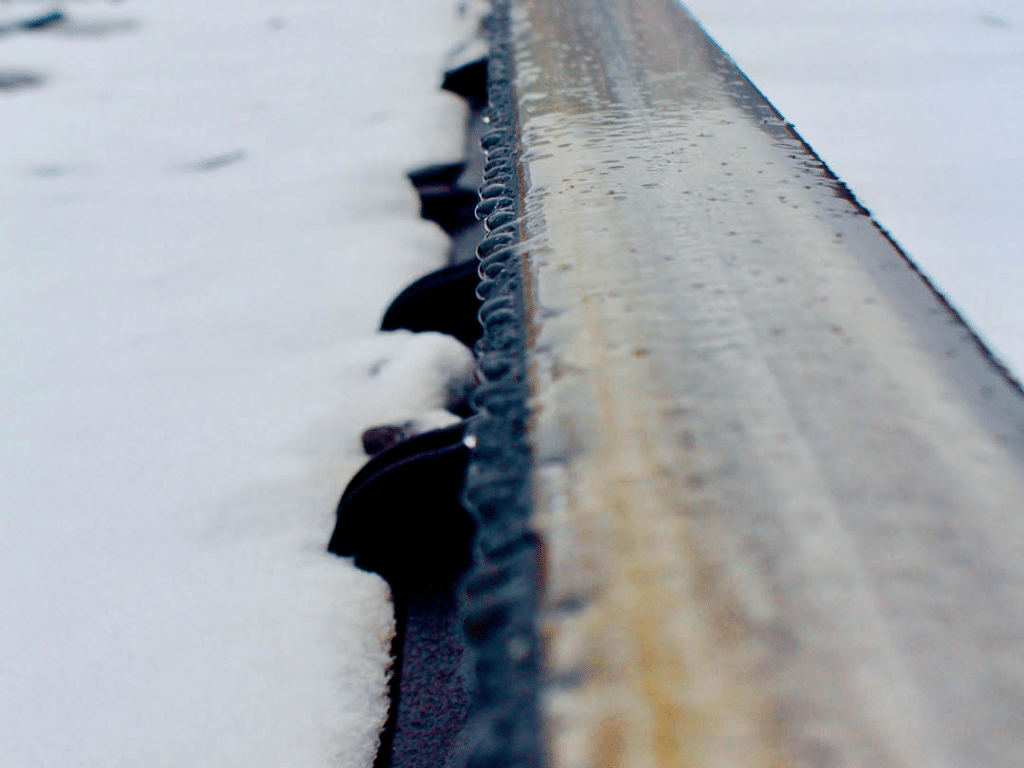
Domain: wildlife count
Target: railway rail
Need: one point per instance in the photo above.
(747, 490)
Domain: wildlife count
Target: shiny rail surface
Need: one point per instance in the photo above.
(779, 483)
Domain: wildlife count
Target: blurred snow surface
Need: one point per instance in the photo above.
(918, 105)
(204, 213)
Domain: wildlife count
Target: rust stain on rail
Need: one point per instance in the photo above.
(663, 637)
(746, 432)
(675, 681)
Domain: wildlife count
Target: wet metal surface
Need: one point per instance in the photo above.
(780, 484)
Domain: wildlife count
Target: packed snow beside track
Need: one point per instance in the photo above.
(204, 213)
(917, 105)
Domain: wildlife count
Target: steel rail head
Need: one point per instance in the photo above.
(773, 482)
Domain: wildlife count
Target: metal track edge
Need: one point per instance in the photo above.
(502, 590)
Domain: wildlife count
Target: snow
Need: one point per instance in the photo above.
(917, 105)
(204, 213)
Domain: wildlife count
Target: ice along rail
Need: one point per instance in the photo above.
(778, 483)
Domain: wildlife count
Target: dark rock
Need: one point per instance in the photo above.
(401, 515)
(41, 22)
(378, 439)
(469, 81)
(12, 81)
(442, 174)
(444, 301)
(451, 207)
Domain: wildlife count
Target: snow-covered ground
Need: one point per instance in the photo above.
(919, 106)
(203, 215)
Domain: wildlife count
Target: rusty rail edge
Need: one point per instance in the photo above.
(776, 483)
(502, 590)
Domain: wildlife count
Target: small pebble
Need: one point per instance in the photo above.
(379, 439)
